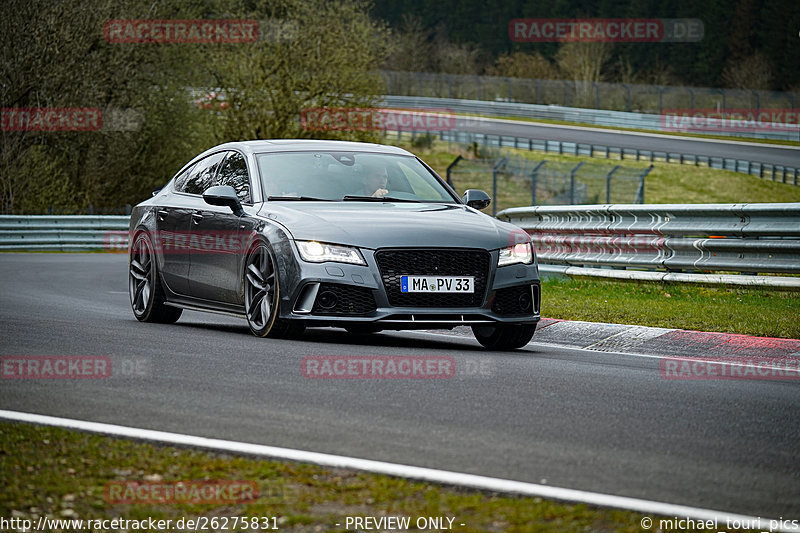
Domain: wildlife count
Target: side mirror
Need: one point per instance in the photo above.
(476, 199)
(224, 195)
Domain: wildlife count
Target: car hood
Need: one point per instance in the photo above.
(388, 224)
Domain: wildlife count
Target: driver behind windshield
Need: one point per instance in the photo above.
(375, 182)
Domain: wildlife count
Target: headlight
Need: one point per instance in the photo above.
(519, 253)
(316, 252)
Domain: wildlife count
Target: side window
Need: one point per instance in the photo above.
(180, 181)
(202, 175)
(234, 173)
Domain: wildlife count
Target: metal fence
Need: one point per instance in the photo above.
(628, 97)
(515, 180)
(668, 242)
(770, 171)
(67, 233)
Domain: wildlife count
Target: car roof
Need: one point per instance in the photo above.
(295, 145)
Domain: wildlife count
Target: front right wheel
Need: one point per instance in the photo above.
(504, 336)
(262, 296)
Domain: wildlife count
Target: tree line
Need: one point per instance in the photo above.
(747, 43)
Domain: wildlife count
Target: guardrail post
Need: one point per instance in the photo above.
(535, 180)
(608, 183)
(627, 97)
(596, 95)
(450, 169)
(495, 170)
(539, 92)
(572, 183)
(640, 193)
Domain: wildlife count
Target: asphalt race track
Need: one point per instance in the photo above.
(599, 422)
(733, 149)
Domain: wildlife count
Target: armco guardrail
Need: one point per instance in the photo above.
(68, 233)
(627, 241)
(668, 242)
(598, 117)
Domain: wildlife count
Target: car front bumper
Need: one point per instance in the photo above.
(339, 294)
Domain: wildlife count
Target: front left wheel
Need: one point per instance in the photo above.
(262, 296)
(144, 285)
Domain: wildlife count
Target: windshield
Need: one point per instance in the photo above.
(352, 176)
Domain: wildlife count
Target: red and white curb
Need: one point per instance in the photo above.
(623, 338)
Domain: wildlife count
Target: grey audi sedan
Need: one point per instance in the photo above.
(290, 234)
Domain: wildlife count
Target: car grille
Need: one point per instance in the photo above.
(433, 262)
(334, 299)
(516, 300)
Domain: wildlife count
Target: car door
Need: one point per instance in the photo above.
(214, 273)
(172, 231)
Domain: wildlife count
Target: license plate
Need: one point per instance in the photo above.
(461, 284)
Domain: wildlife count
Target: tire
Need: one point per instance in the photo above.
(144, 284)
(262, 296)
(503, 337)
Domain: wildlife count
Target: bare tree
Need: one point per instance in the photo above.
(411, 48)
(327, 58)
(584, 63)
(523, 65)
(750, 72)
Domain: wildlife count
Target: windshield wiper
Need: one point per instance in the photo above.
(300, 198)
(353, 197)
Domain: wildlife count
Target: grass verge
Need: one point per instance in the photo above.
(667, 183)
(60, 473)
(749, 311)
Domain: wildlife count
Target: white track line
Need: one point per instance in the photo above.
(392, 469)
